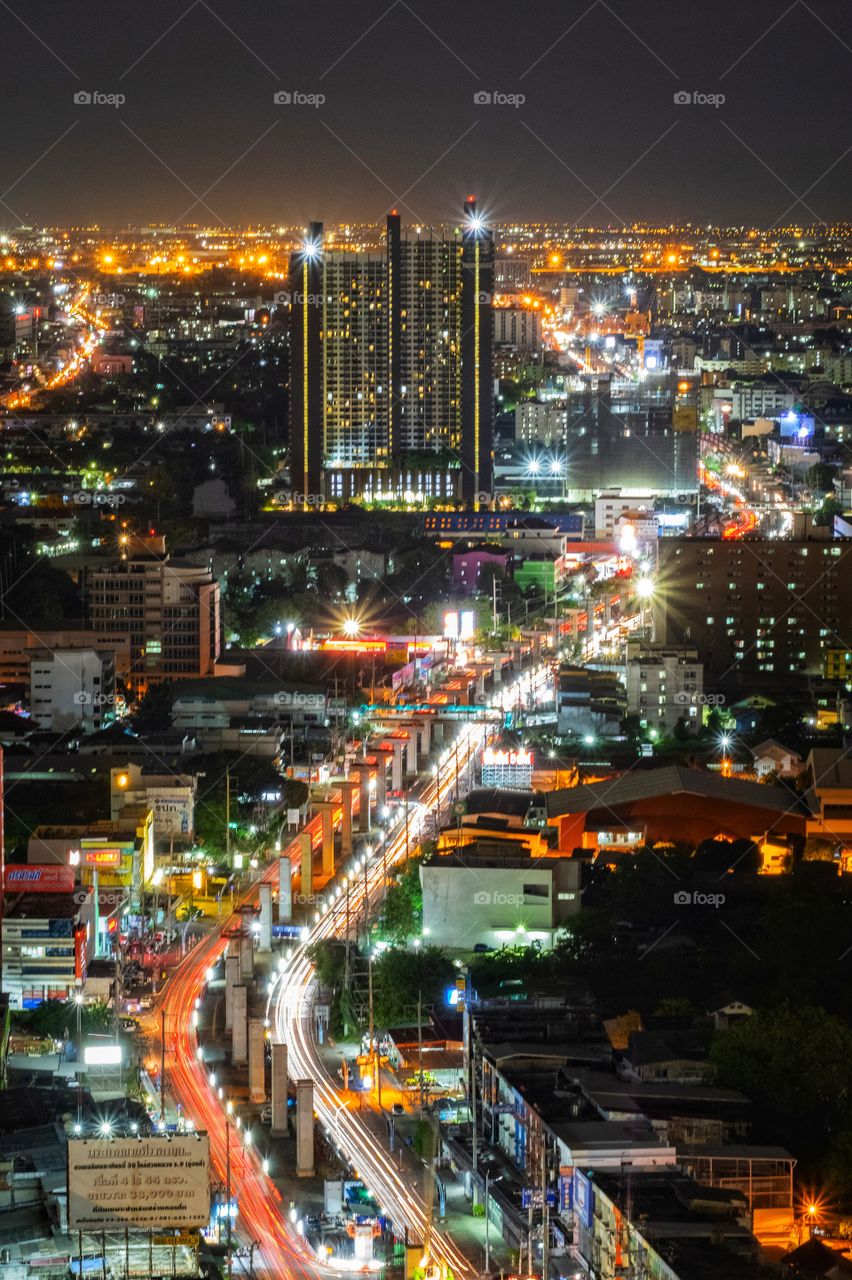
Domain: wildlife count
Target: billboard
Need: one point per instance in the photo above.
(42, 878)
(141, 1183)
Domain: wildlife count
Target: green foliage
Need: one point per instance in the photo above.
(796, 1066)
(329, 959)
(54, 1017)
(402, 914)
(398, 976)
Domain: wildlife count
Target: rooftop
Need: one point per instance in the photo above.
(669, 781)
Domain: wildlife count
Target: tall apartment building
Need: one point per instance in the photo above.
(170, 610)
(390, 353)
(759, 608)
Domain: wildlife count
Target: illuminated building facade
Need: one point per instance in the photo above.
(390, 354)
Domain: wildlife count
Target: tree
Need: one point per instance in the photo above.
(796, 1066)
(399, 975)
(402, 914)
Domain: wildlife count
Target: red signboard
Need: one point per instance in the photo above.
(80, 953)
(108, 856)
(48, 878)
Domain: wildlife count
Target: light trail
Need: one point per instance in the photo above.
(261, 1216)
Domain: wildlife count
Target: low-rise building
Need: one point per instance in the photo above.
(478, 899)
(665, 684)
(170, 797)
(72, 689)
(48, 934)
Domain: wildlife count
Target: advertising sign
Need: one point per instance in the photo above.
(104, 856)
(173, 814)
(44, 878)
(506, 768)
(102, 1055)
(584, 1198)
(80, 949)
(143, 1184)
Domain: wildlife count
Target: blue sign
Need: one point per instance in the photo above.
(584, 1198)
(566, 1196)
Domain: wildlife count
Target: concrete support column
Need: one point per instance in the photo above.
(397, 763)
(285, 890)
(232, 977)
(279, 1090)
(383, 755)
(247, 949)
(326, 810)
(307, 881)
(347, 792)
(239, 1031)
(362, 773)
(256, 1060)
(305, 1128)
(264, 942)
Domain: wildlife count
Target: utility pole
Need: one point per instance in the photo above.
(545, 1213)
(228, 863)
(420, 1047)
(228, 1194)
(163, 1065)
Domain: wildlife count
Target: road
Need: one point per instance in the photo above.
(291, 1005)
(282, 1251)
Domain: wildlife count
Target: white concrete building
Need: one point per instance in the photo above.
(72, 689)
(664, 684)
(613, 504)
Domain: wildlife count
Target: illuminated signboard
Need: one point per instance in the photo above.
(507, 768)
(141, 1183)
(356, 646)
(48, 878)
(459, 626)
(80, 957)
(102, 1055)
(101, 853)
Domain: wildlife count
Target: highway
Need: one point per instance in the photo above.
(282, 1250)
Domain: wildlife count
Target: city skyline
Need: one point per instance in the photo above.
(179, 120)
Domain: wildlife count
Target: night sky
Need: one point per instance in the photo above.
(400, 124)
